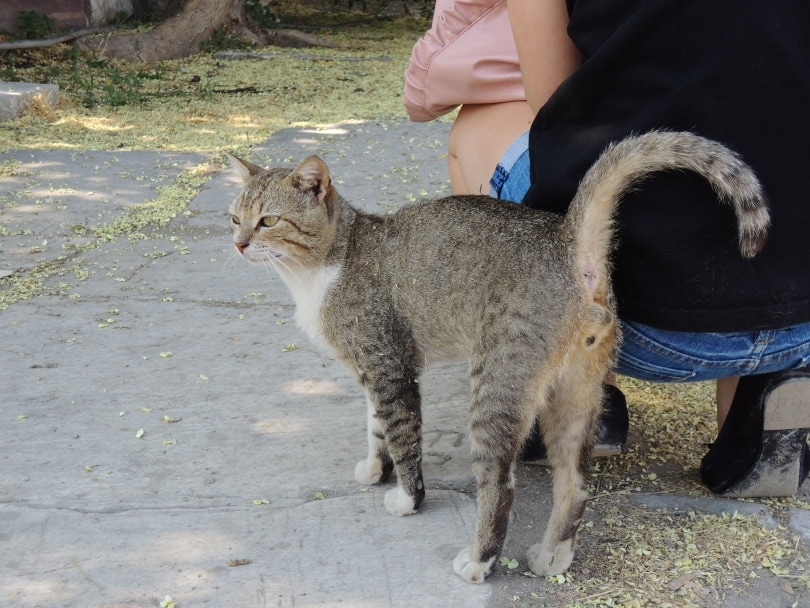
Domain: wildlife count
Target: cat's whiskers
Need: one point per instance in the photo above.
(270, 258)
(234, 257)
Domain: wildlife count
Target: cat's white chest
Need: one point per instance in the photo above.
(309, 292)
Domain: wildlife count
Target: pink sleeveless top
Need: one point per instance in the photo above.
(467, 56)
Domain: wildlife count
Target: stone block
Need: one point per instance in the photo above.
(15, 97)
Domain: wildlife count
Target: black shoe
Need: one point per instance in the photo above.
(762, 448)
(610, 437)
(614, 424)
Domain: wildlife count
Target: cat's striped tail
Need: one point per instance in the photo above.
(624, 164)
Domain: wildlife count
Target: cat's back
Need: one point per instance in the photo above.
(463, 230)
(475, 209)
(445, 264)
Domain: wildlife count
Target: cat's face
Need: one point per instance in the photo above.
(284, 218)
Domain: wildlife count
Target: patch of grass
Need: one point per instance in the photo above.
(202, 104)
(32, 25)
(105, 85)
(222, 40)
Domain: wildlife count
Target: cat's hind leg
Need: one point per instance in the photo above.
(377, 466)
(569, 428)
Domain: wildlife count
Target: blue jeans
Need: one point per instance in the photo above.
(658, 355)
(512, 176)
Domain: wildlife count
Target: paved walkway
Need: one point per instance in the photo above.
(167, 430)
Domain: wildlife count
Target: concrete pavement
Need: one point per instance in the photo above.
(168, 431)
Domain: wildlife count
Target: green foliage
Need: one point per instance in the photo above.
(222, 40)
(104, 83)
(32, 25)
(120, 18)
(261, 13)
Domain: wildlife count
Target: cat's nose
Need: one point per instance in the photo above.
(241, 246)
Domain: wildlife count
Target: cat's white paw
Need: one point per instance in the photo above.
(545, 562)
(368, 472)
(472, 572)
(397, 502)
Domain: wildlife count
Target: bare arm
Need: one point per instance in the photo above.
(546, 53)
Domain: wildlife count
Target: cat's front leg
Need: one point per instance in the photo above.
(377, 466)
(398, 413)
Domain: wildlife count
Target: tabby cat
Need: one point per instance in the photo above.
(525, 295)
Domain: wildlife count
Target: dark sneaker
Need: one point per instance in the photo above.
(762, 448)
(610, 437)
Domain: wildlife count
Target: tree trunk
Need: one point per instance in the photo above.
(178, 36)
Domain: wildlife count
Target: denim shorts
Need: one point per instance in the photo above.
(658, 355)
(512, 176)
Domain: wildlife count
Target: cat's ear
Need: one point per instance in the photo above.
(246, 169)
(312, 176)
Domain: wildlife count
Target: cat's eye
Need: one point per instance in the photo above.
(269, 221)
(235, 219)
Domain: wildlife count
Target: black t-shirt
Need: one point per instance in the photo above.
(736, 71)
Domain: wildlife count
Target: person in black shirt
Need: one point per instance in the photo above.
(691, 307)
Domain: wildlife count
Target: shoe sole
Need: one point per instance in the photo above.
(602, 450)
(780, 464)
